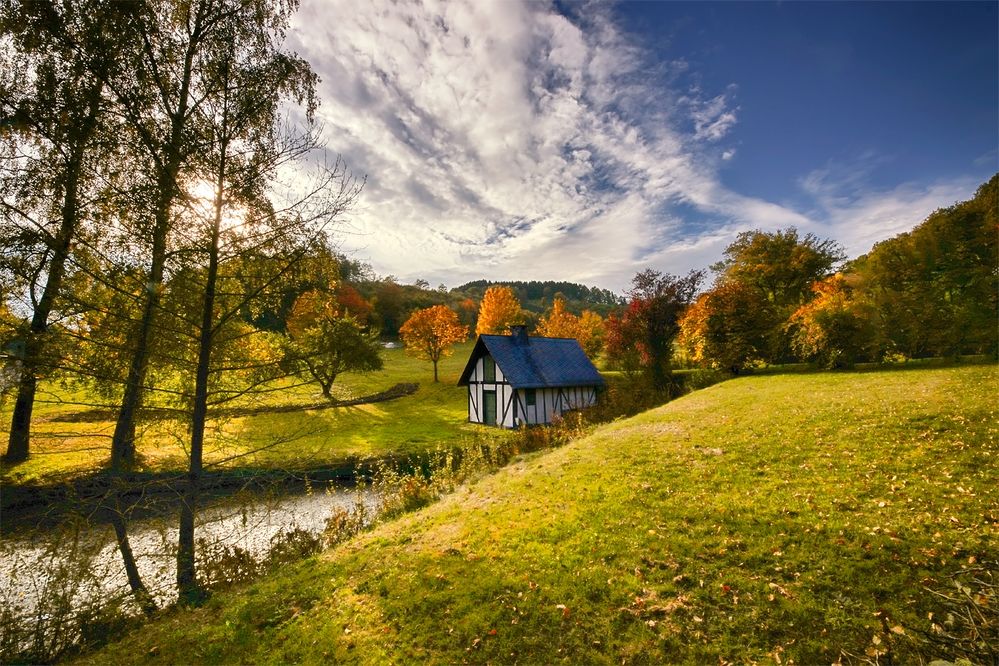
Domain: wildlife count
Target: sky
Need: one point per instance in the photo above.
(586, 141)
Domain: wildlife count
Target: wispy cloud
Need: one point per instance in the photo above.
(506, 140)
(858, 215)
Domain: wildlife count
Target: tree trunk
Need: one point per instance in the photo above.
(20, 426)
(139, 590)
(187, 582)
(123, 440)
(20, 423)
(435, 372)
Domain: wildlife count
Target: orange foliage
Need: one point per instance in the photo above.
(499, 311)
(558, 322)
(727, 327)
(352, 303)
(429, 333)
(588, 329)
(308, 310)
(837, 327)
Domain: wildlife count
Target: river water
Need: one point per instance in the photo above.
(82, 567)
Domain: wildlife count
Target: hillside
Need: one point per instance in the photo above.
(536, 296)
(805, 518)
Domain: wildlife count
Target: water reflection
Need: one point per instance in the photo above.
(81, 566)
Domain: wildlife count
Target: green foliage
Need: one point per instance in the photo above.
(331, 346)
(537, 297)
(814, 523)
(936, 287)
(779, 264)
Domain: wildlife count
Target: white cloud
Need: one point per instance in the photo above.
(503, 140)
(712, 119)
(858, 216)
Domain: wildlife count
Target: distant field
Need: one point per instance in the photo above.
(797, 518)
(435, 415)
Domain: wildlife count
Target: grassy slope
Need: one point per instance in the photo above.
(760, 518)
(436, 414)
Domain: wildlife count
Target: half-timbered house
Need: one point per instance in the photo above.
(515, 379)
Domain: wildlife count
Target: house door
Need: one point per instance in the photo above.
(489, 407)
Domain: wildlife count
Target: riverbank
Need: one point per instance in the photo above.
(814, 518)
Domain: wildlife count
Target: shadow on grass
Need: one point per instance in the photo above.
(160, 413)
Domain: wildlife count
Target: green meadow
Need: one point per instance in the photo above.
(800, 518)
(69, 439)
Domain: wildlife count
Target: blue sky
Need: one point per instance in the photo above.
(588, 141)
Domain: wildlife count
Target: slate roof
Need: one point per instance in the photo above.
(528, 362)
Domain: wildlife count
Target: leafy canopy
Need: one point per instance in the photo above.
(325, 343)
(429, 333)
(499, 310)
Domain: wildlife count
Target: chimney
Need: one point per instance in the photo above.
(519, 334)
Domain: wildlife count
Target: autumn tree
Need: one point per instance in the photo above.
(351, 302)
(727, 327)
(246, 78)
(498, 311)
(558, 322)
(54, 140)
(838, 327)
(592, 332)
(158, 98)
(587, 329)
(780, 266)
(936, 287)
(645, 331)
(428, 334)
(325, 342)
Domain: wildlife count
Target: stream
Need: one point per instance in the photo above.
(82, 567)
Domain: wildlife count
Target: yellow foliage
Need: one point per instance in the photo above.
(559, 323)
(588, 328)
(499, 311)
(308, 310)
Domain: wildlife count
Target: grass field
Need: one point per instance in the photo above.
(434, 415)
(800, 518)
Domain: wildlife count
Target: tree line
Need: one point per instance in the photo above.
(779, 297)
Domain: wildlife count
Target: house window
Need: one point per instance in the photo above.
(530, 397)
(488, 370)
